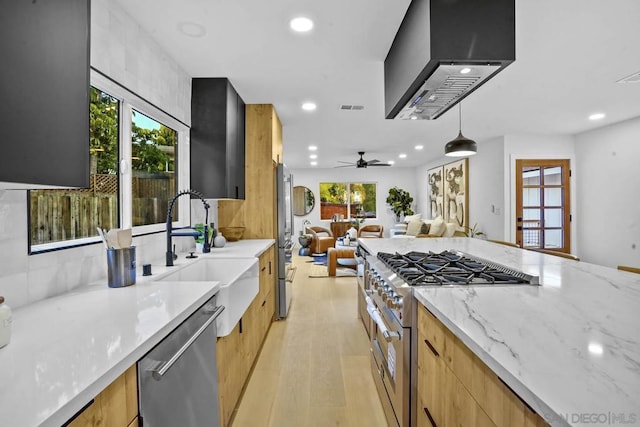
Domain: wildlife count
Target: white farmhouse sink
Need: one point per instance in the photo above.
(239, 285)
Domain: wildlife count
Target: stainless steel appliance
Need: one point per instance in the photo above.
(286, 271)
(443, 51)
(178, 379)
(389, 281)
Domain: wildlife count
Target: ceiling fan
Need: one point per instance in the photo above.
(362, 163)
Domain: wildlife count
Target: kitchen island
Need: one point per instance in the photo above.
(66, 349)
(569, 348)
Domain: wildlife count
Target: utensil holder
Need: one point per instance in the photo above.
(121, 266)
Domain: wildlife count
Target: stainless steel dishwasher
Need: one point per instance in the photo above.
(178, 379)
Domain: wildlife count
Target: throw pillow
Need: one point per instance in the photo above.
(413, 228)
(438, 227)
(409, 218)
(425, 228)
(450, 229)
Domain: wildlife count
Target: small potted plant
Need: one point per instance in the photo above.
(473, 231)
(400, 202)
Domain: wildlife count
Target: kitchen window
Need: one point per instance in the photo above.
(136, 167)
(350, 199)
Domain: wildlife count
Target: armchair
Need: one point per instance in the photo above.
(321, 239)
(370, 230)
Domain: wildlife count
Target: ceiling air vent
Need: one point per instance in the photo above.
(633, 78)
(351, 107)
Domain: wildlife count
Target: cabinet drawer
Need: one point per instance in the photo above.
(431, 385)
(430, 329)
(116, 405)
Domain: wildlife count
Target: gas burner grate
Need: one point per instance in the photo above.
(451, 268)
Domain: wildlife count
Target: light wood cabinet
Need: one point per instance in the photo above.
(116, 405)
(263, 137)
(455, 388)
(231, 373)
(237, 352)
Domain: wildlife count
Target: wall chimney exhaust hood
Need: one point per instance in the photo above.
(443, 51)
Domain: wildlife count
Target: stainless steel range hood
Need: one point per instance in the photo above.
(444, 50)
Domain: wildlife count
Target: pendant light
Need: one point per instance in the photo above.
(461, 146)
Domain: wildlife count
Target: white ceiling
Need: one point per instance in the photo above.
(569, 55)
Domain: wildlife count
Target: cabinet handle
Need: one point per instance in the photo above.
(263, 268)
(269, 267)
(263, 303)
(431, 420)
(433, 350)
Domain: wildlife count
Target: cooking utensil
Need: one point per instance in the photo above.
(124, 237)
(112, 238)
(103, 237)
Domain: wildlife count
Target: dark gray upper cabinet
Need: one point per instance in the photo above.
(44, 93)
(217, 139)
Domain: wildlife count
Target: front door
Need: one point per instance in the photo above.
(543, 214)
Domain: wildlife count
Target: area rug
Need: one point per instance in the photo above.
(319, 259)
(316, 271)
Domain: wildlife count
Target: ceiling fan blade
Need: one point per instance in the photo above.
(344, 166)
(379, 164)
(373, 161)
(348, 163)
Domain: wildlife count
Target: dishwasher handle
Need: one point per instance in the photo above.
(159, 372)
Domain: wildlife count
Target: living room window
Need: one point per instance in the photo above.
(350, 199)
(138, 158)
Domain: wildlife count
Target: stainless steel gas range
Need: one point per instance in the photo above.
(389, 280)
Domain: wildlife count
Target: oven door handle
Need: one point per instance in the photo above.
(377, 318)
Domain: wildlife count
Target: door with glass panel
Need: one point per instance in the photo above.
(543, 214)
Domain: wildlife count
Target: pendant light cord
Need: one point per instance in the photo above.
(460, 117)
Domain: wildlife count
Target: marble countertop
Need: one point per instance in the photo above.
(66, 349)
(570, 348)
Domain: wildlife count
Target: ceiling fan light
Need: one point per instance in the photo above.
(460, 147)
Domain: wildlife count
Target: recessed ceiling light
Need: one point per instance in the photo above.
(402, 155)
(312, 148)
(465, 70)
(419, 147)
(309, 106)
(313, 156)
(391, 162)
(301, 24)
(192, 29)
(314, 163)
(596, 116)
(414, 117)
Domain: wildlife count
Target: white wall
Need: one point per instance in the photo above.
(120, 49)
(384, 177)
(609, 188)
(486, 188)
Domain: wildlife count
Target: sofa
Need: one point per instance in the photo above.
(416, 227)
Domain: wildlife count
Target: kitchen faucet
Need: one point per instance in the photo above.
(206, 247)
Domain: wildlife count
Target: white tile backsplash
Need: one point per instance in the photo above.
(128, 55)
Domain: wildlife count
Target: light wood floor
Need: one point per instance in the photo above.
(314, 367)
